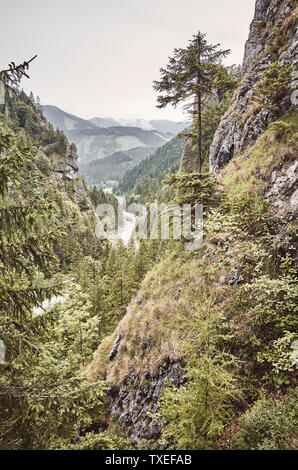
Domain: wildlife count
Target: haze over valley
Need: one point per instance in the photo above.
(108, 148)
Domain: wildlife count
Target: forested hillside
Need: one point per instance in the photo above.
(114, 166)
(145, 181)
(49, 251)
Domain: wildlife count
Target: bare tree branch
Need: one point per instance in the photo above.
(12, 76)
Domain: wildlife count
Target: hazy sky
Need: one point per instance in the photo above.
(99, 57)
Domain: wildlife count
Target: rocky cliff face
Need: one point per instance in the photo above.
(136, 375)
(138, 397)
(65, 167)
(272, 37)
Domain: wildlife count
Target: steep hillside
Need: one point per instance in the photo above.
(206, 355)
(114, 166)
(164, 126)
(56, 172)
(242, 280)
(144, 182)
(272, 37)
(160, 344)
(237, 274)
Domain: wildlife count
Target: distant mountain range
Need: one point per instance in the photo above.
(126, 141)
(114, 166)
(164, 126)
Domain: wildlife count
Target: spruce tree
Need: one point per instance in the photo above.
(28, 231)
(196, 414)
(274, 85)
(193, 74)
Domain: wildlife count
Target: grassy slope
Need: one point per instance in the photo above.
(251, 172)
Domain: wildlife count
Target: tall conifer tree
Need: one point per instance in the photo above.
(191, 76)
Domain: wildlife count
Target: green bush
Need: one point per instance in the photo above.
(44, 165)
(100, 441)
(274, 85)
(253, 216)
(273, 302)
(269, 425)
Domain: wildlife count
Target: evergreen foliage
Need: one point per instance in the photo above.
(113, 279)
(191, 188)
(24, 114)
(212, 114)
(144, 182)
(195, 414)
(228, 314)
(12, 76)
(269, 425)
(274, 85)
(43, 399)
(193, 74)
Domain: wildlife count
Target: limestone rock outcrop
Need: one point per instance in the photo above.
(138, 396)
(273, 37)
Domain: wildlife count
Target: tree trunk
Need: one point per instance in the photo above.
(199, 138)
(199, 104)
(81, 344)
